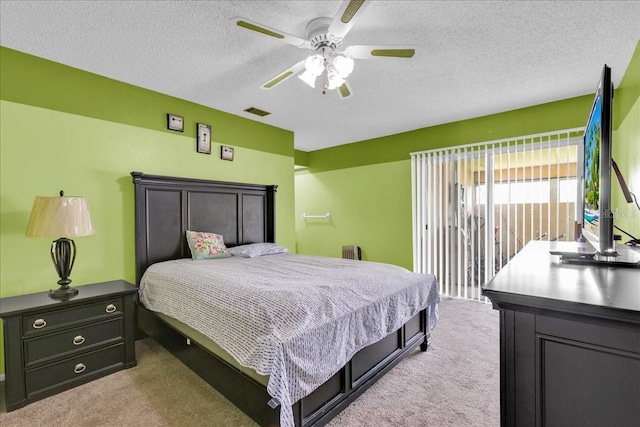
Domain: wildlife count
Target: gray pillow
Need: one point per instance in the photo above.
(253, 250)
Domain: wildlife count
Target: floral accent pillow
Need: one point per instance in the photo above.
(206, 245)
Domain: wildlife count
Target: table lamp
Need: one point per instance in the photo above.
(61, 217)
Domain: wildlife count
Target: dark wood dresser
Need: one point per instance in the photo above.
(569, 341)
(52, 345)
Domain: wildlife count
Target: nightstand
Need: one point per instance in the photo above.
(53, 345)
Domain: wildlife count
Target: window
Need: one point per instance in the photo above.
(528, 192)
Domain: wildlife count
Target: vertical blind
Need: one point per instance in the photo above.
(475, 206)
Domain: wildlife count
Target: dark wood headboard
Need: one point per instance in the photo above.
(165, 207)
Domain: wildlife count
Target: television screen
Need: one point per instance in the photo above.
(592, 171)
(597, 220)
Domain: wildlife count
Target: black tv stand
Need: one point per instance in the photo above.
(569, 341)
(625, 257)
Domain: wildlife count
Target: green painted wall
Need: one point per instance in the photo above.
(368, 206)
(526, 121)
(626, 147)
(301, 158)
(628, 92)
(30, 80)
(626, 153)
(343, 180)
(85, 136)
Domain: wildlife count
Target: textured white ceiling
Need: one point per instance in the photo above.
(473, 58)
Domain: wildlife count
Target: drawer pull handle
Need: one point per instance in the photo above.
(39, 323)
(78, 340)
(110, 308)
(79, 368)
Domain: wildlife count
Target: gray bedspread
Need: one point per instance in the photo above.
(296, 318)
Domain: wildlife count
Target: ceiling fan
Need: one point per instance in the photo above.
(324, 36)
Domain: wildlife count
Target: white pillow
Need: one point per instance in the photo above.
(253, 250)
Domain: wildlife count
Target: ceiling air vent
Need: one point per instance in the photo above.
(257, 111)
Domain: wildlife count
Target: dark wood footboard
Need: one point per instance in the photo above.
(316, 409)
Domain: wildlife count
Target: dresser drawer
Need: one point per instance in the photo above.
(75, 369)
(71, 341)
(44, 322)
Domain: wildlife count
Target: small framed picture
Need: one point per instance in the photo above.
(175, 122)
(226, 153)
(204, 139)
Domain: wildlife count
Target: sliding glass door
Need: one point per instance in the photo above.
(476, 206)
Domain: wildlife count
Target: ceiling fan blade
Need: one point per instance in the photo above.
(272, 32)
(344, 91)
(372, 52)
(294, 69)
(343, 21)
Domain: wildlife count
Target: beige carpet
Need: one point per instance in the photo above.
(455, 383)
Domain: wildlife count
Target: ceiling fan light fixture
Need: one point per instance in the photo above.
(334, 80)
(314, 64)
(343, 65)
(308, 77)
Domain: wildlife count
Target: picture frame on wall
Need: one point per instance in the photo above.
(175, 122)
(204, 138)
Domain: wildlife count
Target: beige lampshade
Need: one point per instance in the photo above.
(59, 216)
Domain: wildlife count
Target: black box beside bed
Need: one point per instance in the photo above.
(165, 208)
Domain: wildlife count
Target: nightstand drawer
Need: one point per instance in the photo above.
(70, 341)
(39, 323)
(75, 369)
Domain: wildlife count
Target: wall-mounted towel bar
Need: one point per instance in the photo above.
(326, 216)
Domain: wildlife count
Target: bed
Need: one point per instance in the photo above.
(165, 208)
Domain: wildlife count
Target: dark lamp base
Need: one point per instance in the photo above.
(63, 254)
(63, 292)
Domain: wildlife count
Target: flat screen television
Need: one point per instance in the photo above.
(597, 217)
